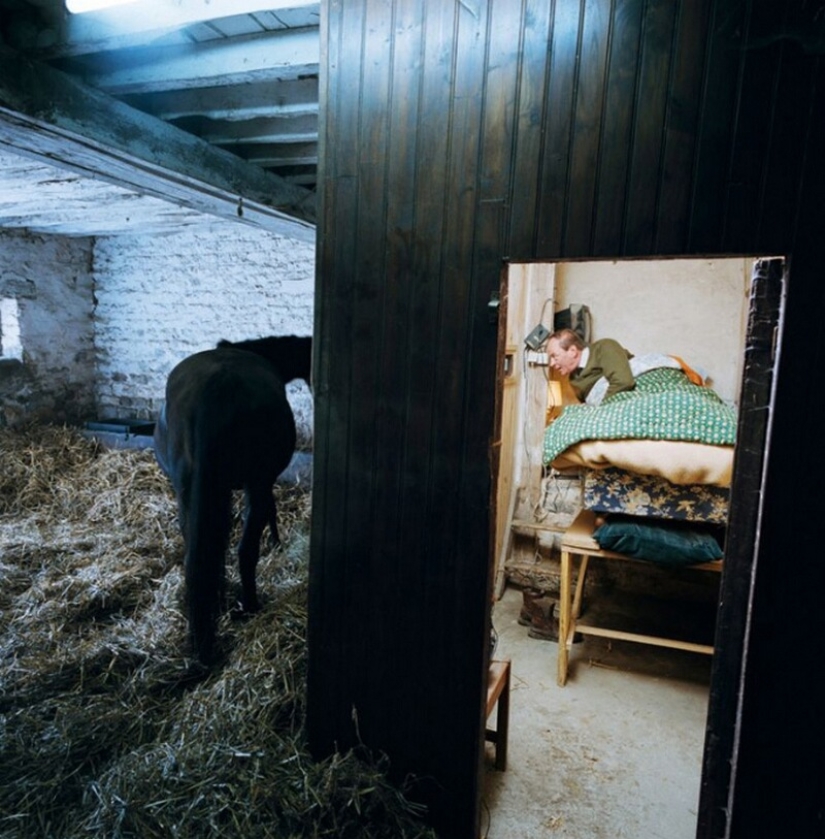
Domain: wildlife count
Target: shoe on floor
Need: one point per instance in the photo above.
(536, 604)
(545, 628)
(548, 629)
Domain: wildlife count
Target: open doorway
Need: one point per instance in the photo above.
(619, 749)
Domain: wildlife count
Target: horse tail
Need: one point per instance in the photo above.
(208, 534)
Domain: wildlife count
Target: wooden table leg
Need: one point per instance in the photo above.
(576, 612)
(564, 616)
(498, 693)
(503, 722)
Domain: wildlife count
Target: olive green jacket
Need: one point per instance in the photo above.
(607, 358)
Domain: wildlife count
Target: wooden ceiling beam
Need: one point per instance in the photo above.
(263, 130)
(47, 115)
(284, 54)
(282, 154)
(45, 199)
(298, 97)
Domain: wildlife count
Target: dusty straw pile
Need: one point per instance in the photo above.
(106, 730)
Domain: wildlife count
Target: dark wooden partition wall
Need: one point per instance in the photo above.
(457, 134)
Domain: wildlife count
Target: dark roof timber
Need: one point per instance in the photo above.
(52, 117)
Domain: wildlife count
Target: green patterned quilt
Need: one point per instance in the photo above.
(664, 405)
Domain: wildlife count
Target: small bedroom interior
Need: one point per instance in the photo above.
(651, 617)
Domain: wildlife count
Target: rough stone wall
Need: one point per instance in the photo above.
(162, 298)
(47, 284)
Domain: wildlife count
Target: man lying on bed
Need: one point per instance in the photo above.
(604, 368)
(659, 422)
(585, 364)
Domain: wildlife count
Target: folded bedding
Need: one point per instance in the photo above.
(612, 490)
(666, 543)
(665, 405)
(676, 461)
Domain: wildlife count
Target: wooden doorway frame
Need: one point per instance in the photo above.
(762, 345)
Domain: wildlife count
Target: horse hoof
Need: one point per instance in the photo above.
(202, 659)
(241, 612)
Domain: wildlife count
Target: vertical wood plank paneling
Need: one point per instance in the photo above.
(498, 137)
(496, 165)
(386, 360)
(760, 67)
(453, 554)
(761, 173)
(728, 24)
(457, 133)
(535, 37)
(404, 474)
(399, 339)
(363, 480)
(345, 473)
(426, 283)
(460, 191)
(772, 743)
(429, 369)
(781, 722)
(558, 108)
(424, 460)
(587, 127)
(793, 124)
(648, 135)
(352, 372)
(681, 117)
(617, 128)
(328, 702)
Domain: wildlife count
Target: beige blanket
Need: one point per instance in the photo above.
(677, 461)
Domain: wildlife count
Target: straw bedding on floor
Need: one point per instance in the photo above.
(106, 728)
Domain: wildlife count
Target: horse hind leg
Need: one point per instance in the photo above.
(259, 512)
(272, 514)
(267, 501)
(207, 537)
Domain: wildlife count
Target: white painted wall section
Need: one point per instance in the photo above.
(693, 308)
(163, 298)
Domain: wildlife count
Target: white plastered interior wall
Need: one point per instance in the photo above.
(162, 298)
(92, 327)
(693, 308)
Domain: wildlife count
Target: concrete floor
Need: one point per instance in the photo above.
(616, 753)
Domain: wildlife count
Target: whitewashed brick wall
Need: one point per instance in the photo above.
(50, 280)
(162, 298)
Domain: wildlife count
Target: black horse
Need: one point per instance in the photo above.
(226, 424)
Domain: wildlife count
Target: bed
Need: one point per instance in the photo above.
(664, 449)
(656, 464)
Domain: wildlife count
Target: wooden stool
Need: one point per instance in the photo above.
(498, 691)
(578, 541)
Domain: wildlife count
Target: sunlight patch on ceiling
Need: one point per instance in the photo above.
(80, 6)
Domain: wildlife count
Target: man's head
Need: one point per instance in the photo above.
(564, 349)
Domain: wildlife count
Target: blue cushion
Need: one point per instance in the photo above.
(670, 543)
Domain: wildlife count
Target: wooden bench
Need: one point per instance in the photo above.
(498, 692)
(578, 541)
